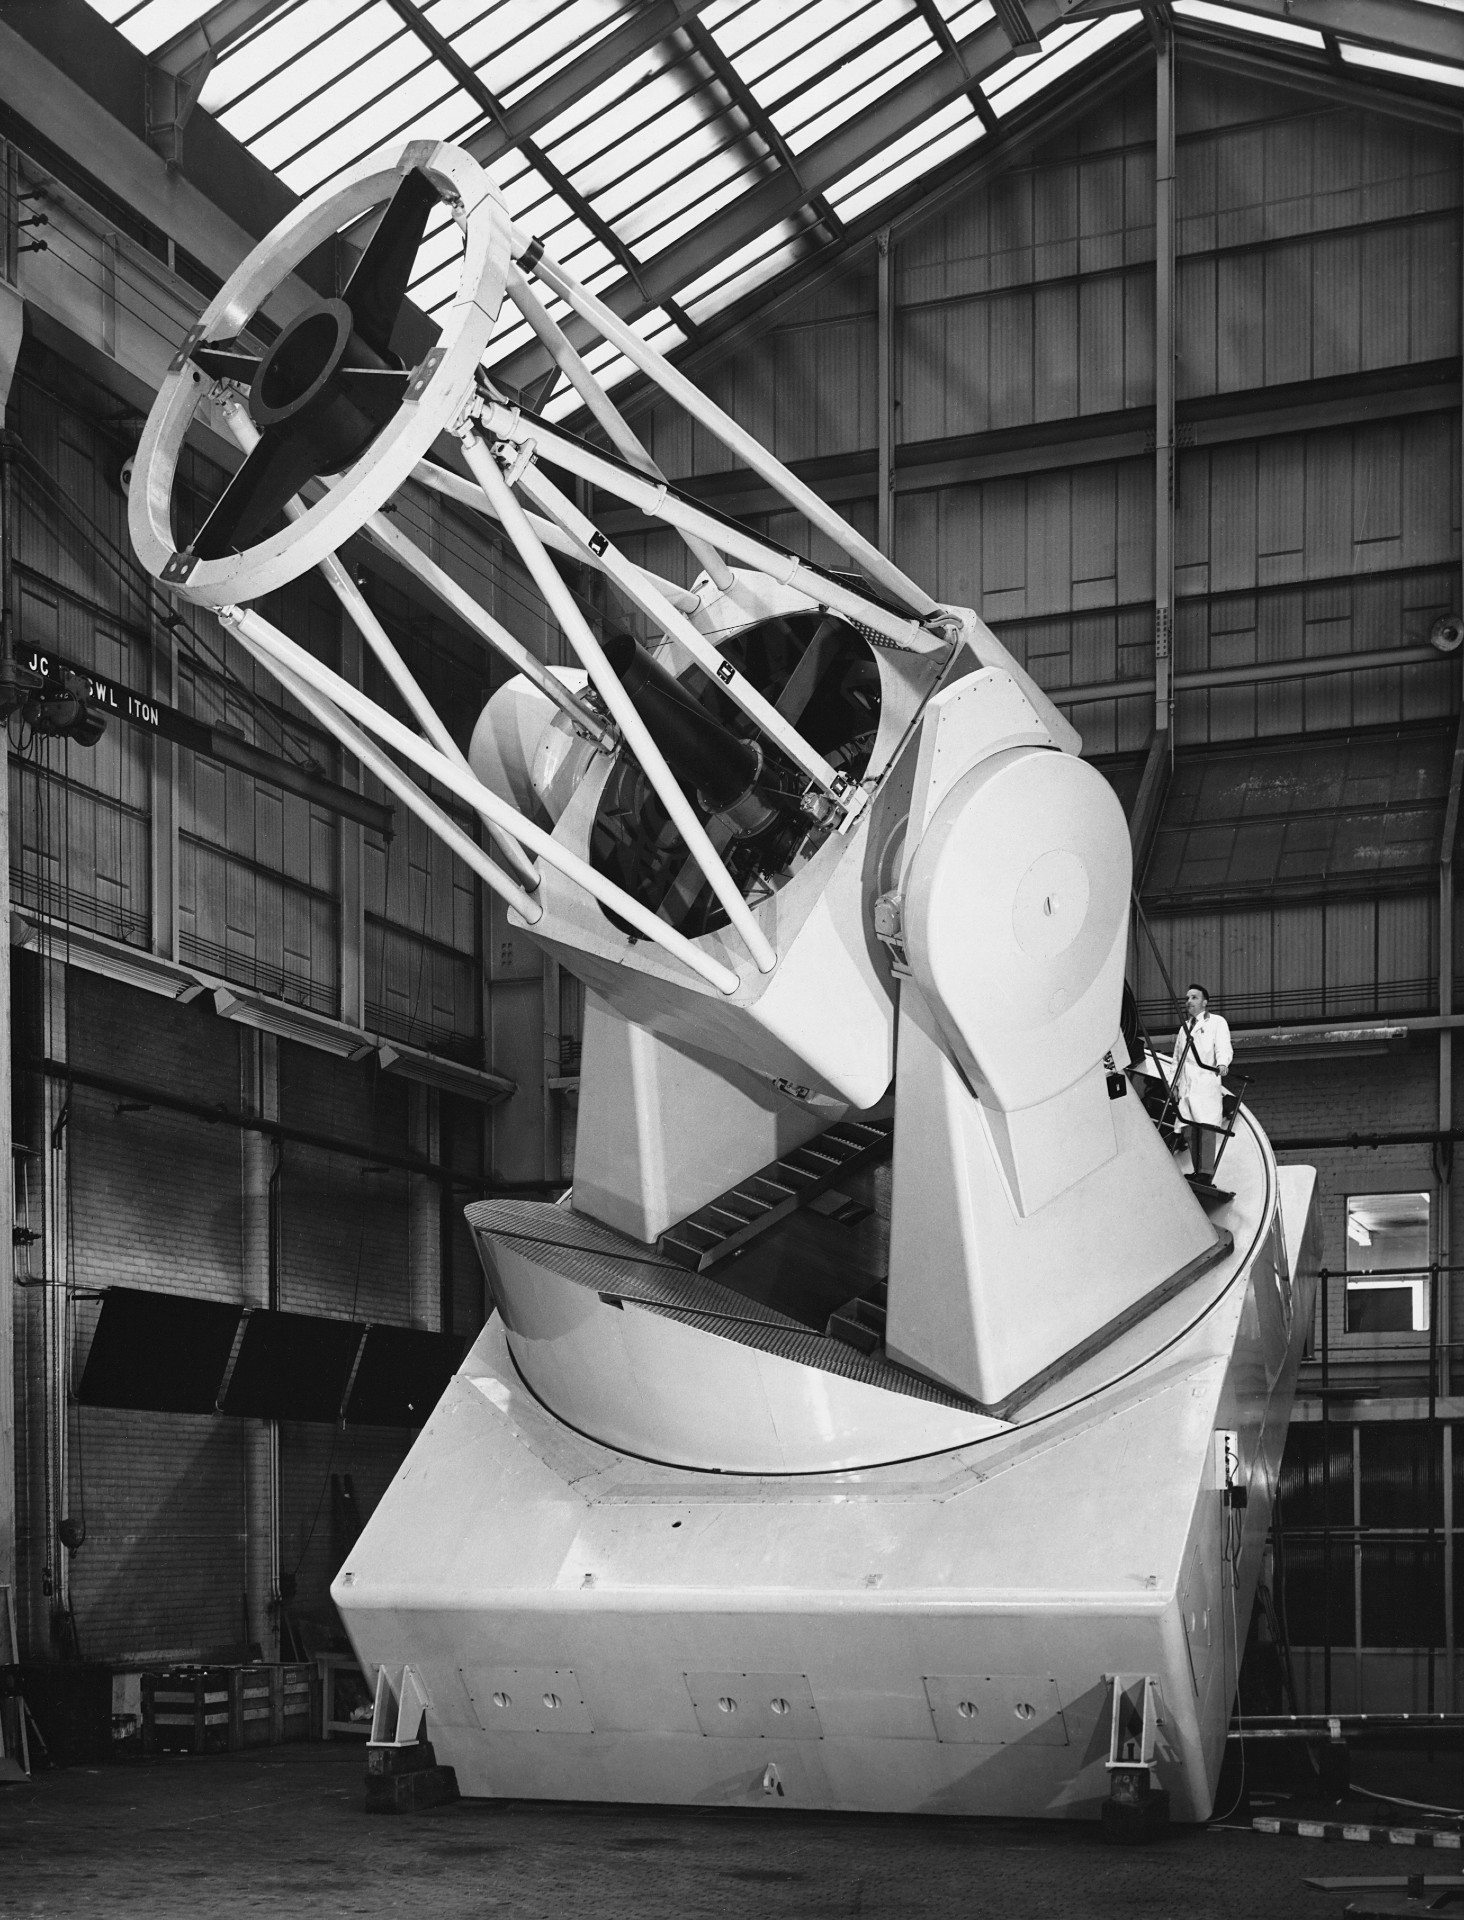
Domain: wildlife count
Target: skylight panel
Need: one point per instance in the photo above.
(294, 90)
(1062, 51)
(965, 17)
(278, 40)
(522, 44)
(856, 85)
(737, 25)
(665, 218)
(743, 270)
(579, 131)
(1248, 22)
(663, 118)
(793, 48)
(1401, 63)
(155, 22)
(687, 180)
(917, 152)
(416, 110)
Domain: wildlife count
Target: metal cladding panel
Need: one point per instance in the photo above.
(1352, 951)
(1298, 949)
(1239, 321)
(826, 388)
(1405, 939)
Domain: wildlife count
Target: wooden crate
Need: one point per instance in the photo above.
(254, 1693)
(296, 1702)
(188, 1710)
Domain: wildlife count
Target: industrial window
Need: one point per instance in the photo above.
(1350, 813)
(1387, 1262)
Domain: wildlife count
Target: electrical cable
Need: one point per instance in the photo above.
(1396, 1800)
(1231, 1557)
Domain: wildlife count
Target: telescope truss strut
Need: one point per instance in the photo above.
(332, 424)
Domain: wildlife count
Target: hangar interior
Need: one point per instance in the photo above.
(1138, 330)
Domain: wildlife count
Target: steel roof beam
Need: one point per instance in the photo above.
(952, 74)
(212, 34)
(1401, 26)
(1391, 94)
(589, 70)
(755, 114)
(177, 71)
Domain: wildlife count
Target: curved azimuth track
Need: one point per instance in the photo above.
(332, 424)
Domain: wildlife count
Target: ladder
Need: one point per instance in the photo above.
(736, 1218)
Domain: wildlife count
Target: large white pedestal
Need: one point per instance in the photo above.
(930, 1635)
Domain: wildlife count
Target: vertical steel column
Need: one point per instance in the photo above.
(553, 1072)
(54, 1449)
(352, 844)
(1451, 1684)
(1326, 1495)
(1164, 275)
(11, 312)
(1359, 1704)
(1444, 1154)
(424, 1213)
(1431, 1480)
(885, 387)
(261, 1162)
(163, 792)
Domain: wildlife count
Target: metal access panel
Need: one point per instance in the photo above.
(996, 1709)
(527, 1699)
(754, 1706)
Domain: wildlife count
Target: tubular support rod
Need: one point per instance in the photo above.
(552, 338)
(612, 328)
(622, 709)
(736, 686)
(486, 627)
(655, 500)
(395, 781)
(467, 493)
(350, 700)
(246, 436)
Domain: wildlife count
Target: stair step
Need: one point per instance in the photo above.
(735, 1218)
(680, 1251)
(732, 1213)
(1206, 1192)
(762, 1180)
(695, 1229)
(852, 1332)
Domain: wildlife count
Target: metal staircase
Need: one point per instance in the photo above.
(736, 1218)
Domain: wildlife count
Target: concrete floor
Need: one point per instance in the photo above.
(283, 1832)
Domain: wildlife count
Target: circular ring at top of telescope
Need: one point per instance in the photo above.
(328, 396)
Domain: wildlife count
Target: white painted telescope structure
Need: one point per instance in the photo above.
(848, 1436)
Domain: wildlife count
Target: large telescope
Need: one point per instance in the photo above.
(724, 772)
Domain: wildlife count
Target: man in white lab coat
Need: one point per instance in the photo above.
(1204, 1055)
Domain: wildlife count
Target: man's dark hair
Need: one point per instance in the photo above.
(1195, 987)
